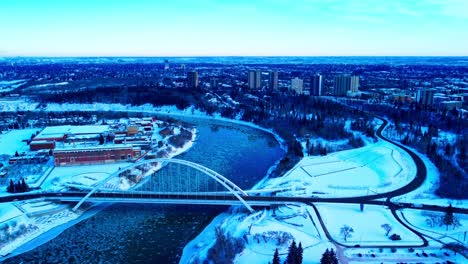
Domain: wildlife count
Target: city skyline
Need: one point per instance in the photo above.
(243, 28)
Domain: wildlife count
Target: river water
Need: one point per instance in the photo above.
(133, 233)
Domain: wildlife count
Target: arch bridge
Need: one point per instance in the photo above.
(185, 175)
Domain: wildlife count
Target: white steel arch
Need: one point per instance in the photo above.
(230, 186)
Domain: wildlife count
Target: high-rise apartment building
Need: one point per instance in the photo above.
(273, 80)
(316, 85)
(297, 85)
(192, 79)
(255, 79)
(345, 83)
(425, 96)
(213, 83)
(354, 84)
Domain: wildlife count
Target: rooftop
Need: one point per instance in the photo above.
(60, 131)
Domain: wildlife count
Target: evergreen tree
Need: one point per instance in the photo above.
(276, 259)
(292, 252)
(299, 253)
(329, 257)
(333, 258)
(16, 154)
(325, 257)
(17, 187)
(101, 139)
(24, 186)
(11, 187)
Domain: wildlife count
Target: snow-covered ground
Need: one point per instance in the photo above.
(430, 223)
(17, 104)
(12, 141)
(46, 85)
(263, 232)
(27, 220)
(87, 175)
(375, 168)
(367, 225)
(8, 211)
(8, 86)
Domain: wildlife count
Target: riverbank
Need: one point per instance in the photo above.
(43, 224)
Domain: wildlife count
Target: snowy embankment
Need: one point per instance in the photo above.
(261, 233)
(425, 194)
(28, 220)
(376, 168)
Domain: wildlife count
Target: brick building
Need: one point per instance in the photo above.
(96, 155)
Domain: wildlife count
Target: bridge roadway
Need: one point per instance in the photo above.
(209, 199)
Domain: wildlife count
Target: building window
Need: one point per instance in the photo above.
(122, 157)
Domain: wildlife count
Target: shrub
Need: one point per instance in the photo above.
(395, 237)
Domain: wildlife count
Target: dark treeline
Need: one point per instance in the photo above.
(416, 115)
(17, 187)
(123, 95)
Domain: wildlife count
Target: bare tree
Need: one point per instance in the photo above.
(346, 232)
(388, 228)
(432, 220)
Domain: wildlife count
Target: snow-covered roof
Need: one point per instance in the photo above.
(59, 131)
(71, 147)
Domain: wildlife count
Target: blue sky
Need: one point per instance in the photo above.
(234, 27)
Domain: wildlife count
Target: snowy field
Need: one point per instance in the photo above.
(376, 168)
(12, 141)
(8, 211)
(430, 223)
(87, 175)
(366, 225)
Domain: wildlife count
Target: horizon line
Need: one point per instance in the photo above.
(212, 56)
